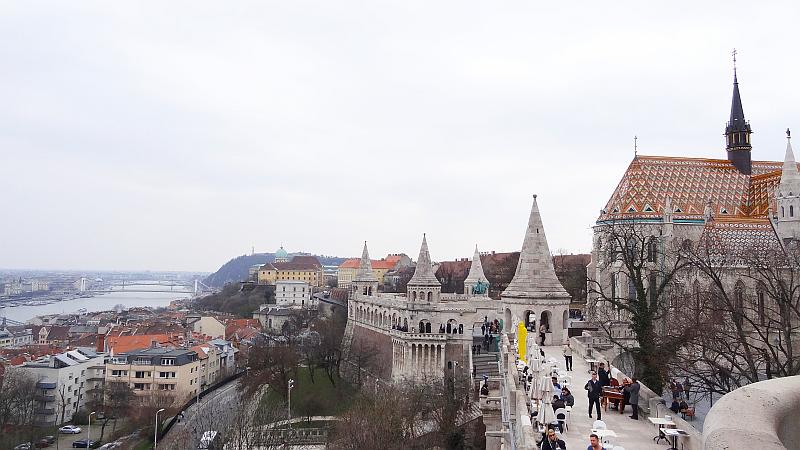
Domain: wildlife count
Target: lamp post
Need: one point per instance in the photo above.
(155, 433)
(289, 397)
(89, 430)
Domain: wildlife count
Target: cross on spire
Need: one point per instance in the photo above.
(733, 53)
(635, 145)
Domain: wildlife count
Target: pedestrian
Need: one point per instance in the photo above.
(686, 387)
(483, 329)
(633, 393)
(542, 331)
(604, 375)
(568, 356)
(594, 389)
(594, 443)
(479, 349)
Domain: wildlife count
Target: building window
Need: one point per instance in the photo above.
(651, 249)
(119, 373)
(141, 386)
(166, 374)
(791, 210)
(168, 362)
(739, 297)
(762, 317)
(142, 375)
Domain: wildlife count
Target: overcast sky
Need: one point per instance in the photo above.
(176, 135)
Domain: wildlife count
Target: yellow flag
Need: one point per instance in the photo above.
(522, 340)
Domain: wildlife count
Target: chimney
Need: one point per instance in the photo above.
(153, 343)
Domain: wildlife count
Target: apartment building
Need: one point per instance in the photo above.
(157, 369)
(64, 383)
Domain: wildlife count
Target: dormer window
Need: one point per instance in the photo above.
(168, 361)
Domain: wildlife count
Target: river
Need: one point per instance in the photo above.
(103, 302)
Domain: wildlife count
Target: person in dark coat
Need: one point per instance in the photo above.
(558, 403)
(633, 392)
(567, 396)
(594, 390)
(604, 375)
(552, 442)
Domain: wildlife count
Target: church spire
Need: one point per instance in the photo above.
(535, 276)
(737, 130)
(365, 272)
(787, 195)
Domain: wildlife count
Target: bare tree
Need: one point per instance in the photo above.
(746, 300)
(635, 305)
(17, 404)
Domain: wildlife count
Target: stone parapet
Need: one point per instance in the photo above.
(763, 414)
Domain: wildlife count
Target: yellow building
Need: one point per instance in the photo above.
(159, 369)
(300, 268)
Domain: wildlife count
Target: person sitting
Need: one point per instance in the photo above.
(594, 443)
(683, 406)
(485, 389)
(553, 442)
(555, 383)
(567, 396)
(675, 407)
(558, 403)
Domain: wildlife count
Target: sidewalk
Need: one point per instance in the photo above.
(631, 434)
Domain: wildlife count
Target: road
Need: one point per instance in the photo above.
(215, 411)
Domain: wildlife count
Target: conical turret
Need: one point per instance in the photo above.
(365, 272)
(787, 195)
(737, 133)
(424, 286)
(535, 276)
(476, 276)
(365, 282)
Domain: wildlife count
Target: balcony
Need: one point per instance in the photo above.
(46, 385)
(45, 398)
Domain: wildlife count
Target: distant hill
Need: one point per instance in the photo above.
(237, 269)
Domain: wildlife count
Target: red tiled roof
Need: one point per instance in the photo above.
(690, 183)
(387, 263)
(123, 344)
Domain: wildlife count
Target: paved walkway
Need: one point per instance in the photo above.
(631, 434)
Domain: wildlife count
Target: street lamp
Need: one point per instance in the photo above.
(89, 430)
(289, 397)
(155, 433)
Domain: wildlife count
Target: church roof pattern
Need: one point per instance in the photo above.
(690, 183)
(737, 241)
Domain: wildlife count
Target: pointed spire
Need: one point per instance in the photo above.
(423, 274)
(535, 276)
(790, 177)
(365, 272)
(476, 269)
(737, 131)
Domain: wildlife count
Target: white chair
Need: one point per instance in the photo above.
(618, 448)
(599, 425)
(562, 415)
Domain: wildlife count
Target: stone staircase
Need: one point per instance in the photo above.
(486, 364)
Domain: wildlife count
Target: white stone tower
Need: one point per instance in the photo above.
(535, 289)
(476, 276)
(365, 281)
(424, 286)
(787, 196)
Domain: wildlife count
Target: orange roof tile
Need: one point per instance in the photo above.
(690, 183)
(123, 344)
(387, 263)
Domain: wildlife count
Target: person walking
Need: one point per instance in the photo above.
(594, 389)
(568, 356)
(542, 331)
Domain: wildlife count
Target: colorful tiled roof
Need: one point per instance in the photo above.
(735, 241)
(690, 183)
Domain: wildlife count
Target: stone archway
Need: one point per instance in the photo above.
(507, 323)
(529, 319)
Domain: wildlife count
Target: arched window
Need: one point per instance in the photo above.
(421, 326)
(762, 316)
(783, 212)
(428, 327)
(430, 296)
(413, 295)
(791, 210)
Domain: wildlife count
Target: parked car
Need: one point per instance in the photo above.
(46, 441)
(109, 446)
(83, 443)
(23, 446)
(70, 429)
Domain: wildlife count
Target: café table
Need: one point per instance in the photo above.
(674, 433)
(662, 424)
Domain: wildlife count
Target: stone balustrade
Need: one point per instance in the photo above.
(765, 415)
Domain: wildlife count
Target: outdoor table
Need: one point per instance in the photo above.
(674, 433)
(662, 423)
